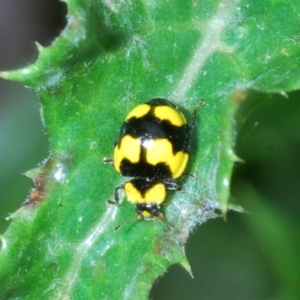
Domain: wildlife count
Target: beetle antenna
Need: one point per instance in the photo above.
(160, 217)
(194, 115)
(126, 221)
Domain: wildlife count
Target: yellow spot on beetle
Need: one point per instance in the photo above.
(156, 194)
(168, 113)
(178, 164)
(138, 112)
(146, 214)
(130, 149)
(161, 150)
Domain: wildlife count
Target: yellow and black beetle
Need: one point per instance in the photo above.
(153, 147)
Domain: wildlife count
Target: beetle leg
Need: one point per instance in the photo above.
(107, 160)
(172, 185)
(194, 115)
(193, 175)
(116, 200)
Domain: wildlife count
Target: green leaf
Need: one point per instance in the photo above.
(112, 56)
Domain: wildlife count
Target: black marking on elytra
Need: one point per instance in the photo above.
(142, 169)
(143, 185)
(152, 128)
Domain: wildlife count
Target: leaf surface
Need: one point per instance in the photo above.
(112, 56)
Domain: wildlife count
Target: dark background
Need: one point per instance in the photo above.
(250, 256)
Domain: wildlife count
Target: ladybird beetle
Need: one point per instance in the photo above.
(152, 146)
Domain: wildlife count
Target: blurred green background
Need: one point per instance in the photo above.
(250, 256)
